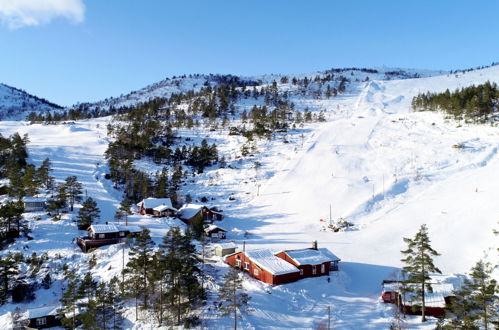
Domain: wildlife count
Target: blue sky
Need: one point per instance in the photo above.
(85, 50)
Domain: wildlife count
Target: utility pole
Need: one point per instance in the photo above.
(330, 214)
(328, 317)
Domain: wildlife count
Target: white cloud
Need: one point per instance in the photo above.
(19, 13)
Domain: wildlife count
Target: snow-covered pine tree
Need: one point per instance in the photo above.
(419, 265)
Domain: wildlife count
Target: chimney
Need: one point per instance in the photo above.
(314, 245)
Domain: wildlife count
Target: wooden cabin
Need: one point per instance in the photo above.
(212, 213)
(189, 212)
(100, 235)
(40, 318)
(265, 266)
(34, 204)
(223, 249)
(158, 207)
(311, 262)
(215, 232)
(436, 302)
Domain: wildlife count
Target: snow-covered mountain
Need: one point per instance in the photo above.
(374, 163)
(17, 104)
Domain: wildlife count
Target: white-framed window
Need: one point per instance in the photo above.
(102, 235)
(314, 270)
(323, 268)
(301, 272)
(246, 265)
(41, 321)
(214, 235)
(122, 233)
(238, 263)
(255, 272)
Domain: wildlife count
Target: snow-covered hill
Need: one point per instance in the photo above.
(374, 163)
(169, 86)
(17, 104)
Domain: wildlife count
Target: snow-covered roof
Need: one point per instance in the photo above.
(102, 229)
(266, 259)
(132, 229)
(162, 207)
(40, 312)
(212, 227)
(150, 203)
(311, 256)
(228, 245)
(34, 199)
(432, 299)
(187, 211)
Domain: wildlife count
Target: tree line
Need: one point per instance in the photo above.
(475, 103)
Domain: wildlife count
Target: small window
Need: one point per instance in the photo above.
(314, 270)
(255, 272)
(246, 265)
(122, 233)
(323, 268)
(301, 272)
(41, 321)
(102, 235)
(238, 263)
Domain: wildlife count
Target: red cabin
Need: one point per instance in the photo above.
(311, 262)
(264, 266)
(157, 207)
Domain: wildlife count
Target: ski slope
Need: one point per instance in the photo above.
(374, 163)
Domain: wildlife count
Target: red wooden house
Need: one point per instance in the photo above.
(189, 212)
(264, 266)
(158, 207)
(311, 262)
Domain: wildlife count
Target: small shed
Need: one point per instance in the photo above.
(216, 232)
(158, 207)
(40, 318)
(34, 204)
(263, 265)
(223, 249)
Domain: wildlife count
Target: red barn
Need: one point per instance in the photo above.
(264, 266)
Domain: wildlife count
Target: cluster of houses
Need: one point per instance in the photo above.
(436, 301)
(106, 234)
(284, 266)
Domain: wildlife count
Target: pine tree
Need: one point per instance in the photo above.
(476, 305)
(124, 210)
(58, 202)
(44, 174)
(73, 190)
(177, 258)
(419, 265)
(87, 213)
(232, 295)
(69, 302)
(140, 265)
(8, 270)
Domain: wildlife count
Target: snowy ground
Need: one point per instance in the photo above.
(374, 163)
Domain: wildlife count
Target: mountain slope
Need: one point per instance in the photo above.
(17, 104)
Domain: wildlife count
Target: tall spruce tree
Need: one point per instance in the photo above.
(419, 265)
(87, 214)
(177, 258)
(476, 303)
(140, 267)
(73, 190)
(232, 295)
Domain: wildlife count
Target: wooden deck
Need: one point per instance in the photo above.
(86, 243)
